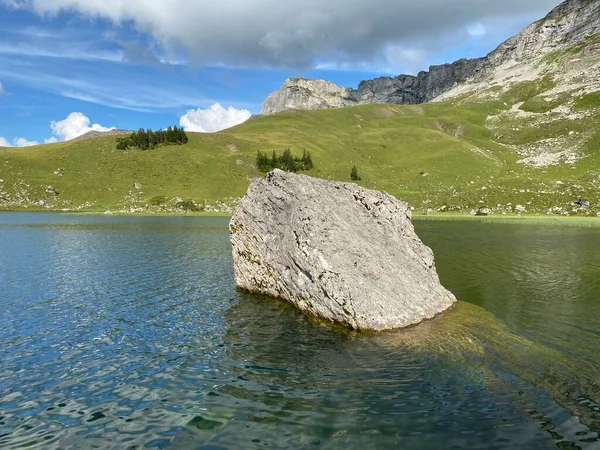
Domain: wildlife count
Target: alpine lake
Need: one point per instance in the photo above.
(128, 333)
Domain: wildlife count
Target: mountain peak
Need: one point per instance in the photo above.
(571, 23)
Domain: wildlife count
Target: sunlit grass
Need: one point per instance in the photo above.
(434, 156)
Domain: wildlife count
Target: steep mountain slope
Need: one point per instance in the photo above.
(545, 109)
(568, 25)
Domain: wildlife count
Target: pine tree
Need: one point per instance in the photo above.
(122, 143)
(184, 136)
(151, 139)
(354, 173)
(307, 160)
(273, 162)
(262, 162)
(287, 161)
(145, 139)
(142, 139)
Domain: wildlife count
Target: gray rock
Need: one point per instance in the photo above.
(94, 134)
(300, 93)
(336, 251)
(52, 190)
(569, 24)
(408, 89)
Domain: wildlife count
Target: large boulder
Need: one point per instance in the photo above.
(336, 251)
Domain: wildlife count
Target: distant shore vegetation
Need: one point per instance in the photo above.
(149, 139)
(286, 161)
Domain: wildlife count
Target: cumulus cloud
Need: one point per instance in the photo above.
(73, 126)
(76, 124)
(17, 142)
(289, 33)
(22, 142)
(213, 119)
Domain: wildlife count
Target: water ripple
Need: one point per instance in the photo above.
(121, 332)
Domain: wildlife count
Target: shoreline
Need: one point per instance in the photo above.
(518, 219)
(515, 219)
(119, 214)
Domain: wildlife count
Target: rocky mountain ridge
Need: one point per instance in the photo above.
(94, 134)
(567, 25)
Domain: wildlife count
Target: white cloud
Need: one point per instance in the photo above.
(215, 118)
(291, 32)
(67, 50)
(73, 126)
(410, 60)
(22, 142)
(477, 29)
(76, 124)
(17, 142)
(113, 87)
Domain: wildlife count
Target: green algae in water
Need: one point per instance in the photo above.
(202, 423)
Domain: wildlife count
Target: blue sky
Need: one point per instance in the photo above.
(141, 63)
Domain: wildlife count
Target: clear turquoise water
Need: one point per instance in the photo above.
(128, 332)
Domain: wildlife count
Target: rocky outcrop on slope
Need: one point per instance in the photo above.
(300, 93)
(94, 134)
(568, 24)
(408, 89)
(336, 251)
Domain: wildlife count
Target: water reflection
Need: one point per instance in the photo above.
(128, 332)
(542, 283)
(408, 388)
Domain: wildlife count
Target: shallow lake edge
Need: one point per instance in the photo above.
(517, 219)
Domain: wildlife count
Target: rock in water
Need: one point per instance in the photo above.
(336, 251)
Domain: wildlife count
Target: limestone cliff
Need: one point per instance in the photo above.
(300, 93)
(569, 24)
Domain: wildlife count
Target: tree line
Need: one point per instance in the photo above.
(147, 139)
(286, 161)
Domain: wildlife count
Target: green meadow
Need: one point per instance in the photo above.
(439, 157)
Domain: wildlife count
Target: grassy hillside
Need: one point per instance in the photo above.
(459, 155)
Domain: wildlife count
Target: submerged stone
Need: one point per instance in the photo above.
(204, 424)
(336, 251)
